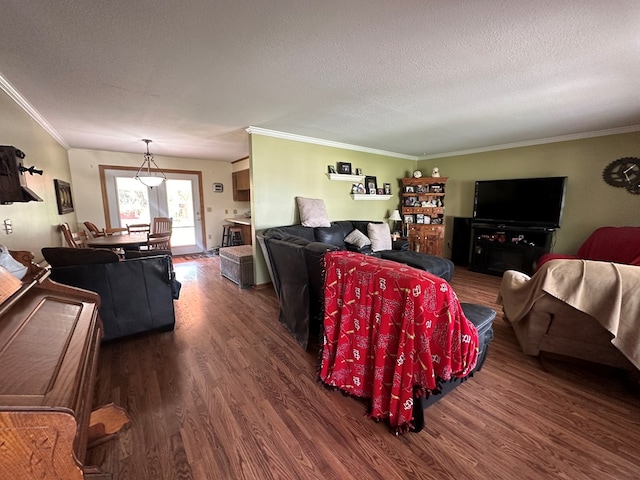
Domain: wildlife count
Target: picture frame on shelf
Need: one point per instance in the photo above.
(344, 168)
(408, 219)
(380, 191)
(371, 184)
(358, 171)
(63, 196)
(419, 218)
(409, 189)
(331, 169)
(387, 189)
(422, 189)
(358, 188)
(437, 188)
(410, 201)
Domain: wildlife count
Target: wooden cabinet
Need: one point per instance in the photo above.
(246, 233)
(423, 213)
(426, 238)
(49, 343)
(241, 186)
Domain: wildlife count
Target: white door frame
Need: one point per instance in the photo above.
(108, 172)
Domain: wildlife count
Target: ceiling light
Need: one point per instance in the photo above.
(148, 176)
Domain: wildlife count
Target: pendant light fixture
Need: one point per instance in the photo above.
(146, 174)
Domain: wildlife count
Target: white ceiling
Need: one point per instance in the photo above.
(415, 77)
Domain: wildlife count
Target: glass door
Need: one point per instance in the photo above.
(130, 202)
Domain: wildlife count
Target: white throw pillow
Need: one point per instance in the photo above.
(380, 236)
(357, 238)
(313, 212)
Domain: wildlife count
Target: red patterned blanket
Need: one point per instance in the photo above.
(391, 330)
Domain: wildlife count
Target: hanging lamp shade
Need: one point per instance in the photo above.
(149, 173)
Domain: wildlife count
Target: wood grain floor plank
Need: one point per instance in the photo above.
(230, 395)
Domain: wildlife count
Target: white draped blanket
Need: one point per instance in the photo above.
(608, 292)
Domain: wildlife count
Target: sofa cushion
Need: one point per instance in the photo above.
(65, 256)
(439, 266)
(380, 236)
(332, 235)
(313, 212)
(357, 238)
(290, 231)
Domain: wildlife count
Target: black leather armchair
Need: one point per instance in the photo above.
(294, 255)
(136, 295)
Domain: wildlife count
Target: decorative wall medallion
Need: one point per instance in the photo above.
(624, 173)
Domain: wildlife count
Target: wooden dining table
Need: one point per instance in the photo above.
(125, 240)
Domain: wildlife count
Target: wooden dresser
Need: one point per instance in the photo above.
(49, 343)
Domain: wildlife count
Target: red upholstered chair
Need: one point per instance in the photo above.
(605, 244)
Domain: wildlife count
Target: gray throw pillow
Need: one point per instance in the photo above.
(357, 238)
(313, 212)
(380, 236)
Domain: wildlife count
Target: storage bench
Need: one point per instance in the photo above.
(236, 264)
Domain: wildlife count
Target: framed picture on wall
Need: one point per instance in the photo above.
(371, 184)
(344, 168)
(63, 196)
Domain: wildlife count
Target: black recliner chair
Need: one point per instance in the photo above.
(136, 295)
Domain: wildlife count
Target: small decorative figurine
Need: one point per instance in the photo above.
(435, 172)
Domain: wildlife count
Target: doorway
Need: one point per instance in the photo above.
(129, 202)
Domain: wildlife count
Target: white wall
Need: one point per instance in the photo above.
(85, 176)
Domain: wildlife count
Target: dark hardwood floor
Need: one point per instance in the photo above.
(230, 395)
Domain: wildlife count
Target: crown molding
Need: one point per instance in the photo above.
(541, 141)
(32, 112)
(326, 143)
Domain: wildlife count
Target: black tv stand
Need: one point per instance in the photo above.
(497, 248)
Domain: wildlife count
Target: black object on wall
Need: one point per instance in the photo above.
(461, 241)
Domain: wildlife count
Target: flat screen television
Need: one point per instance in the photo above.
(522, 202)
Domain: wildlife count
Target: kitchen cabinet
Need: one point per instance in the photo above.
(241, 186)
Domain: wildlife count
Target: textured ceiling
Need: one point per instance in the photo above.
(415, 77)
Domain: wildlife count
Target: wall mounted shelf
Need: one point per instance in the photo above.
(345, 178)
(364, 196)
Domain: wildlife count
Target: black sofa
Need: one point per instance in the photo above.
(294, 257)
(136, 295)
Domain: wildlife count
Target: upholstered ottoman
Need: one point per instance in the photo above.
(482, 318)
(236, 264)
(442, 267)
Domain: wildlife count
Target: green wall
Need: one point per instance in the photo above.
(589, 201)
(35, 224)
(282, 169)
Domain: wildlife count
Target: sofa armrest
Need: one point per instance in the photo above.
(402, 245)
(366, 250)
(545, 257)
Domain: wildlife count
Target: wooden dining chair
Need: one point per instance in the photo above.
(116, 230)
(159, 241)
(94, 231)
(162, 224)
(160, 236)
(139, 228)
(73, 239)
